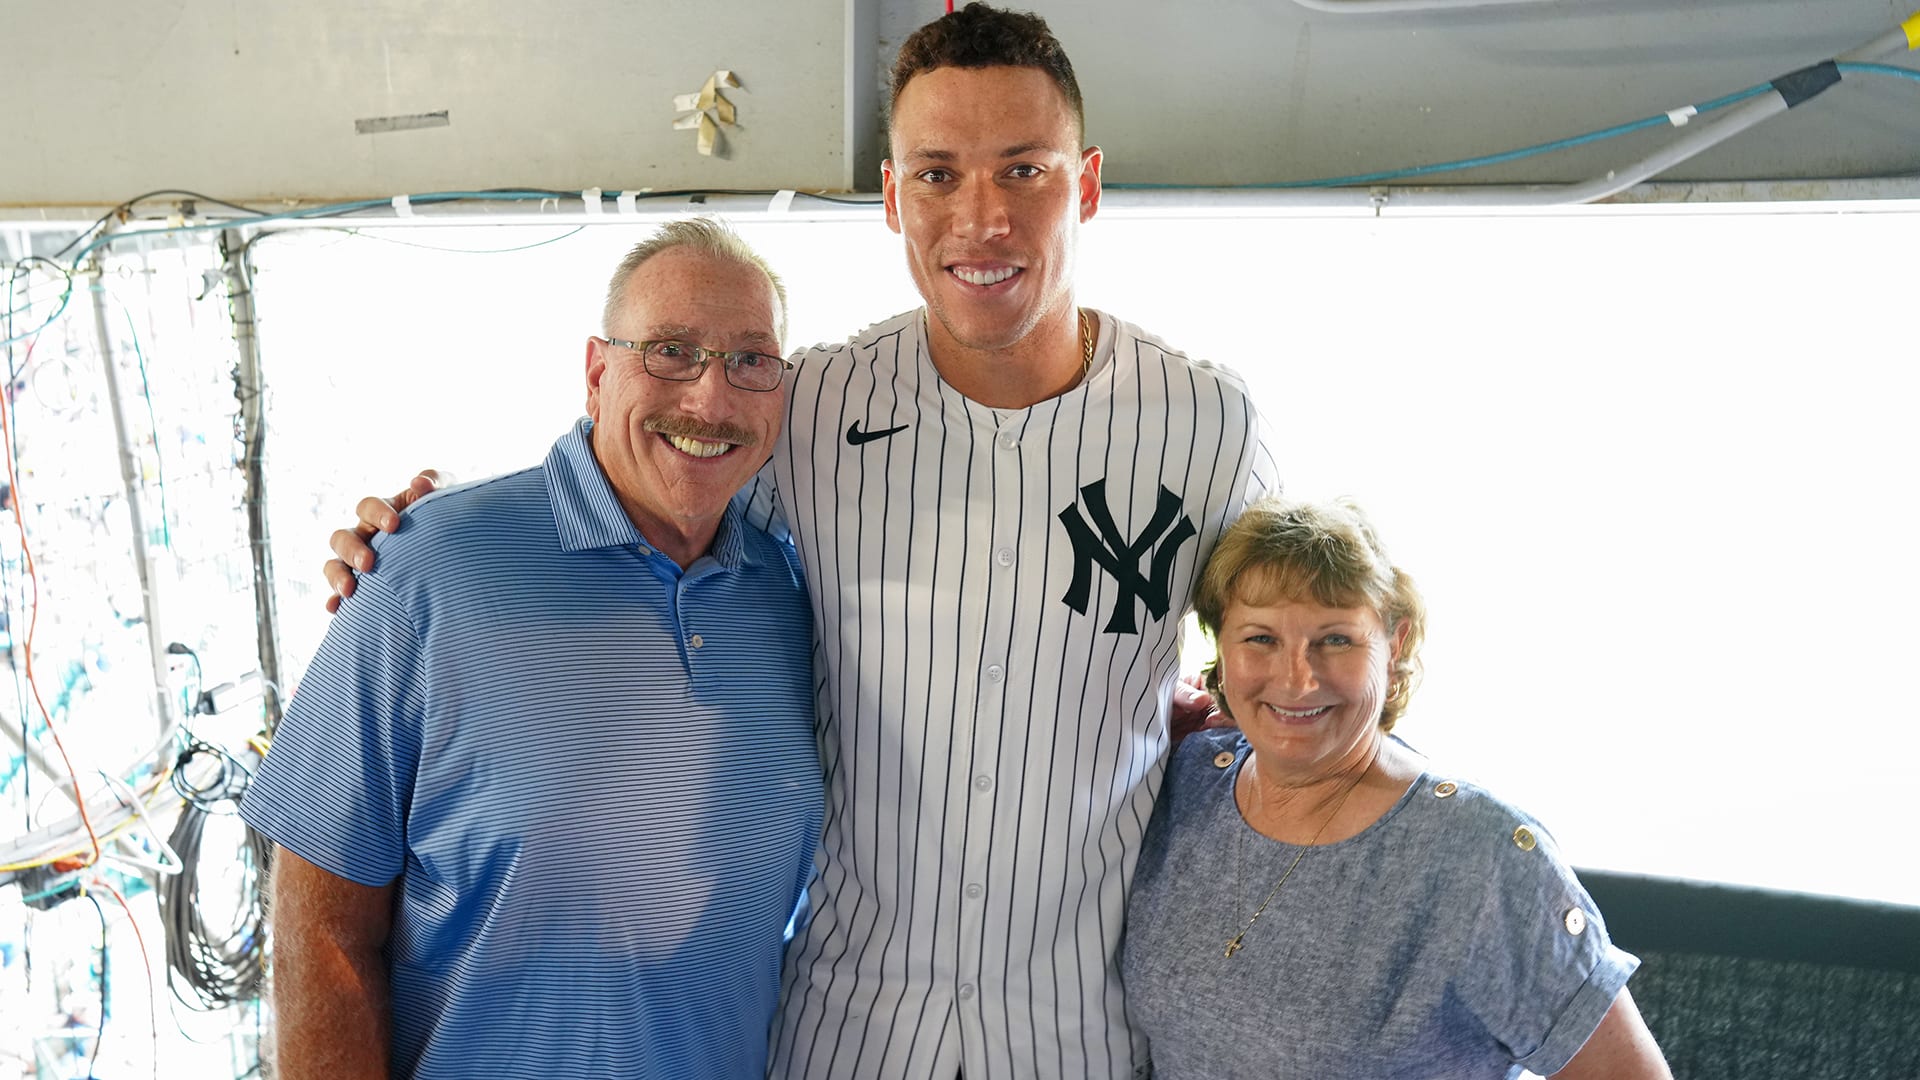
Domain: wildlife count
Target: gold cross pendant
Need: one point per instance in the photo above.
(1234, 945)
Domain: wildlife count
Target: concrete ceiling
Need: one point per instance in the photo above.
(259, 101)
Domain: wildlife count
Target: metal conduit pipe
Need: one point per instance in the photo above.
(1706, 135)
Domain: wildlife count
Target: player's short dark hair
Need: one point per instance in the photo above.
(978, 36)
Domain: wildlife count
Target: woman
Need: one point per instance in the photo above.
(1312, 902)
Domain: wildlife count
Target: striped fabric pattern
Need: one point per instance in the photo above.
(998, 596)
(594, 777)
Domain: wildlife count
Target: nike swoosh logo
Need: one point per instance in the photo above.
(855, 436)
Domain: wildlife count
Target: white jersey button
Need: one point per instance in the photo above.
(995, 673)
(696, 641)
(1004, 556)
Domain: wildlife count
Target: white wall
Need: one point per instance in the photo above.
(258, 100)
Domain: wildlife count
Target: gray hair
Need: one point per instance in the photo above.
(704, 235)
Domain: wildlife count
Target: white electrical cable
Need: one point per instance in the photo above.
(105, 808)
(169, 863)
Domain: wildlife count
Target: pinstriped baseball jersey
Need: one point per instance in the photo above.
(998, 596)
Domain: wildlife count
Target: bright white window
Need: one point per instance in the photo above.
(1652, 467)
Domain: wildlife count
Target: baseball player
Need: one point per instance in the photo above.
(1001, 501)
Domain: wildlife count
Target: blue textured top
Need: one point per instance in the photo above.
(594, 776)
(1435, 944)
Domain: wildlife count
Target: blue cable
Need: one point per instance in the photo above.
(159, 459)
(328, 210)
(1489, 159)
(1881, 69)
(65, 296)
(1530, 151)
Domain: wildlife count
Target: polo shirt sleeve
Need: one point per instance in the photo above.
(336, 785)
(1541, 973)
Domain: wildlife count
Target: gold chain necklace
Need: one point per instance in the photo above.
(1237, 943)
(1086, 345)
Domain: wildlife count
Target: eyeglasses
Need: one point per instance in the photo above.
(678, 361)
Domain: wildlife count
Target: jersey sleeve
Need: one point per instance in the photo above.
(1263, 467)
(336, 785)
(1542, 972)
(760, 501)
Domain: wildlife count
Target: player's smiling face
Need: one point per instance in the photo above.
(676, 452)
(988, 186)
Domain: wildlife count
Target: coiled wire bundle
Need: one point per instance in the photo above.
(210, 966)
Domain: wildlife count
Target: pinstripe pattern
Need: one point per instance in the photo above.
(991, 753)
(600, 829)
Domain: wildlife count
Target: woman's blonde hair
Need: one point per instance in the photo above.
(1322, 553)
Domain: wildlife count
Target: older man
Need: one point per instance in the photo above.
(1001, 501)
(548, 794)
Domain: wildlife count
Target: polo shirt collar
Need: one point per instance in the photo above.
(589, 516)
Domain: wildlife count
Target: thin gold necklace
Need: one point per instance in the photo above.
(1239, 939)
(1086, 345)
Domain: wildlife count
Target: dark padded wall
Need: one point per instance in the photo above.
(1751, 984)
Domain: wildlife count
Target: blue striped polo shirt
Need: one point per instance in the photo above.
(595, 778)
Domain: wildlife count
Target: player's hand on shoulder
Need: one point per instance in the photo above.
(1193, 709)
(353, 549)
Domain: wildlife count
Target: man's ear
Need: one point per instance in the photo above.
(890, 194)
(596, 370)
(1090, 187)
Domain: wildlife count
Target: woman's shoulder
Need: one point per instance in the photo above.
(1207, 752)
(1467, 799)
(1201, 767)
(1478, 828)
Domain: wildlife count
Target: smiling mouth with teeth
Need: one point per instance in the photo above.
(1300, 714)
(983, 277)
(699, 448)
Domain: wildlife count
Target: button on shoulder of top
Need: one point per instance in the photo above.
(1523, 838)
(1576, 921)
(1223, 759)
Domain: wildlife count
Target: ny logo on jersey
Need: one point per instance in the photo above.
(1121, 558)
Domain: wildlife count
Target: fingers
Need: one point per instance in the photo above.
(1189, 697)
(340, 580)
(351, 552)
(376, 515)
(425, 483)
